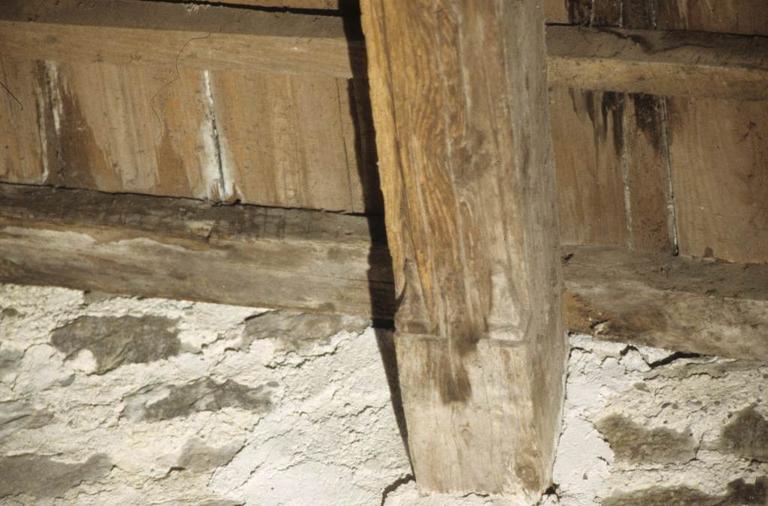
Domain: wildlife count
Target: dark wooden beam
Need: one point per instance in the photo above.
(459, 98)
(187, 249)
(711, 308)
(314, 261)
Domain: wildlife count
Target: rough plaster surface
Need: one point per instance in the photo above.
(110, 400)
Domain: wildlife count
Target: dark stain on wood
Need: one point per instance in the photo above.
(448, 373)
(607, 13)
(579, 11)
(79, 155)
(648, 117)
(613, 105)
(639, 14)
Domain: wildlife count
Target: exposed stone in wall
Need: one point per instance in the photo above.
(651, 427)
(110, 400)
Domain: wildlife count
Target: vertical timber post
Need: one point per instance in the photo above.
(459, 97)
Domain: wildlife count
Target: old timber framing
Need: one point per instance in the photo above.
(459, 99)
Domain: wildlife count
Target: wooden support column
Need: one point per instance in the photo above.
(459, 99)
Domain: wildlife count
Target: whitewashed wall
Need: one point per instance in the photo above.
(108, 400)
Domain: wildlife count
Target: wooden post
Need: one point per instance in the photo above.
(459, 98)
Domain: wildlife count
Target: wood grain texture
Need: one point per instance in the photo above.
(748, 17)
(310, 260)
(648, 200)
(556, 11)
(132, 129)
(23, 156)
(290, 140)
(659, 62)
(720, 177)
(132, 32)
(186, 249)
(718, 149)
(588, 138)
(668, 302)
(458, 95)
(288, 4)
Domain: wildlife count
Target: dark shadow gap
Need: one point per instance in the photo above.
(346, 7)
(380, 281)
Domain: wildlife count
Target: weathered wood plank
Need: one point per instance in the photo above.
(131, 32)
(670, 302)
(185, 249)
(671, 63)
(23, 155)
(749, 17)
(289, 140)
(720, 178)
(459, 103)
(587, 130)
(718, 149)
(647, 175)
(288, 4)
(556, 11)
(132, 129)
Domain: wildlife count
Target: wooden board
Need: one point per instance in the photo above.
(23, 155)
(587, 133)
(556, 11)
(288, 4)
(647, 184)
(132, 129)
(659, 62)
(749, 17)
(290, 140)
(468, 182)
(719, 152)
(131, 32)
(720, 177)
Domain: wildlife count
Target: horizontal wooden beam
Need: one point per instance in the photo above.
(681, 304)
(286, 4)
(673, 63)
(187, 249)
(130, 32)
(315, 261)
